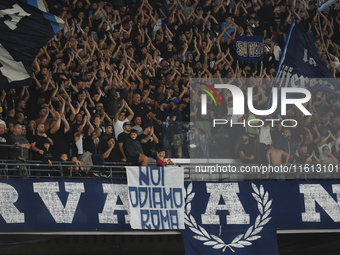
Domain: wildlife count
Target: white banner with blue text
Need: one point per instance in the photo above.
(156, 197)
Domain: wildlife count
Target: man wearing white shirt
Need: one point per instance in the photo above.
(323, 142)
(277, 53)
(120, 118)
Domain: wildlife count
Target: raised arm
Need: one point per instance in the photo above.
(56, 126)
(131, 113)
(65, 122)
(119, 110)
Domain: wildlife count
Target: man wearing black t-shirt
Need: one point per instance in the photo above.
(149, 140)
(304, 157)
(39, 139)
(110, 150)
(104, 137)
(162, 112)
(134, 151)
(123, 138)
(176, 126)
(59, 133)
(168, 52)
(247, 149)
(139, 108)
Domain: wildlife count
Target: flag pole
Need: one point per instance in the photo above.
(323, 42)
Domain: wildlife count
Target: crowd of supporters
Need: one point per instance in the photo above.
(114, 83)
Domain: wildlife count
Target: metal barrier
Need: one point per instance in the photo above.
(14, 146)
(205, 171)
(195, 169)
(59, 170)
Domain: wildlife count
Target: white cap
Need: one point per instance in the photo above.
(3, 122)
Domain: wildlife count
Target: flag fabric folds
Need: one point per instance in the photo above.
(323, 4)
(301, 66)
(24, 30)
(56, 22)
(249, 48)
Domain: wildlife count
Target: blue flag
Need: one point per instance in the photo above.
(323, 4)
(229, 31)
(24, 30)
(301, 66)
(249, 48)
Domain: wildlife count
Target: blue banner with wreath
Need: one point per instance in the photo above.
(242, 217)
(234, 217)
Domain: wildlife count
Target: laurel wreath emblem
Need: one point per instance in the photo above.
(240, 241)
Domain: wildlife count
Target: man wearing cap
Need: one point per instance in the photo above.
(123, 139)
(116, 34)
(176, 126)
